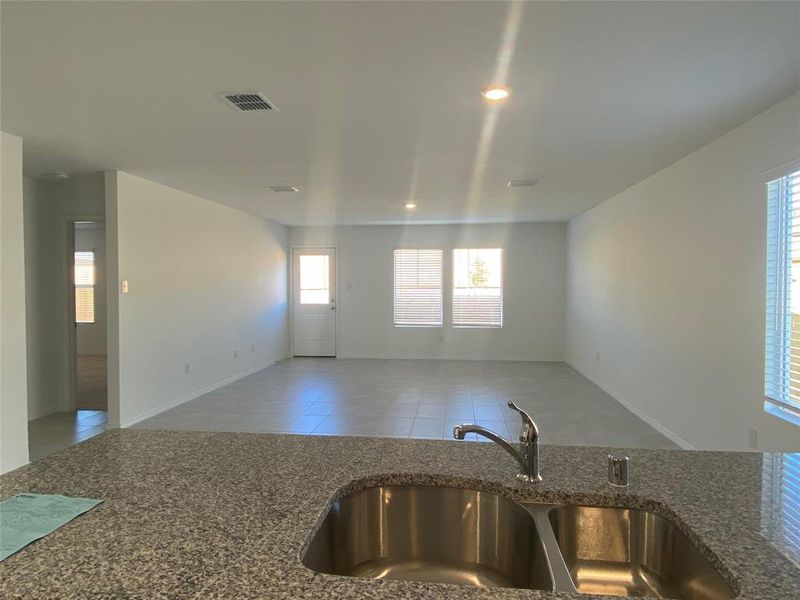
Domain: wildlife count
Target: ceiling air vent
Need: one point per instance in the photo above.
(518, 183)
(282, 188)
(248, 101)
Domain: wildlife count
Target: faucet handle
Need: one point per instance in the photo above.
(529, 429)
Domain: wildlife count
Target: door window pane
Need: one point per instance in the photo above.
(314, 284)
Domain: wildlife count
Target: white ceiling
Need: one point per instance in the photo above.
(380, 101)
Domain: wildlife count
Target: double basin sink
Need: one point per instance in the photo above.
(453, 535)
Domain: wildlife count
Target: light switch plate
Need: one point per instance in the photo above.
(124, 286)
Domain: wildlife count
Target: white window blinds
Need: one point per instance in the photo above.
(478, 287)
(417, 288)
(782, 355)
(84, 287)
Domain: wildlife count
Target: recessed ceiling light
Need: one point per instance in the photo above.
(410, 205)
(496, 93)
(57, 176)
(283, 188)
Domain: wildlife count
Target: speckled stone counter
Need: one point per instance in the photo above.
(226, 515)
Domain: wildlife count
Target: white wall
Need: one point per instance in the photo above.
(534, 295)
(112, 299)
(205, 280)
(91, 337)
(13, 376)
(49, 209)
(666, 284)
(40, 284)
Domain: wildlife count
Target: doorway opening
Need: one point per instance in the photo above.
(82, 412)
(88, 311)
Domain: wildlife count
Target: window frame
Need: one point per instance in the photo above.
(777, 308)
(327, 278)
(502, 288)
(442, 272)
(90, 287)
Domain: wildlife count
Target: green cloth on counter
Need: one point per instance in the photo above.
(25, 518)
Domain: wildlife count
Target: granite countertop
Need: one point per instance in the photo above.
(225, 515)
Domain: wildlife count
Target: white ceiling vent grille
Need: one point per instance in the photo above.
(520, 183)
(248, 101)
(282, 188)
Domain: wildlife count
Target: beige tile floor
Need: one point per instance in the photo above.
(416, 399)
(91, 392)
(61, 430)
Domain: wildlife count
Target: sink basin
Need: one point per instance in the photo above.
(434, 534)
(628, 552)
(452, 535)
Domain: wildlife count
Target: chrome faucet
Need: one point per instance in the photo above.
(527, 455)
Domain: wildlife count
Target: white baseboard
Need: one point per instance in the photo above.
(197, 394)
(638, 412)
(449, 357)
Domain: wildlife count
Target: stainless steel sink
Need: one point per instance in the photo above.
(467, 537)
(627, 552)
(436, 534)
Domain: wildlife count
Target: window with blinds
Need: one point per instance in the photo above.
(417, 288)
(782, 355)
(478, 287)
(84, 287)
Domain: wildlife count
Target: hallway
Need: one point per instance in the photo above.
(62, 430)
(91, 386)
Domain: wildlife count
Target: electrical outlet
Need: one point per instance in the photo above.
(235, 354)
(252, 349)
(752, 438)
(187, 368)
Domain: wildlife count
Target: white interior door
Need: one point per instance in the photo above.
(314, 301)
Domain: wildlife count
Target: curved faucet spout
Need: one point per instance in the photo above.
(460, 432)
(528, 454)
